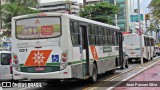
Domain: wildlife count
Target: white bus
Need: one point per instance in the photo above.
(131, 45)
(61, 46)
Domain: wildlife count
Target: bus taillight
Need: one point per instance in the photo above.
(64, 57)
(15, 62)
(143, 49)
(64, 60)
(15, 57)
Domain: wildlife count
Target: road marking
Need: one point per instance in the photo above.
(144, 68)
(118, 75)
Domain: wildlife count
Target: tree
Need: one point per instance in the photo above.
(26, 3)
(12, 9)
(102, 12)
(155, 9)
(154, 27)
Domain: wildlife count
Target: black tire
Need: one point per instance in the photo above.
(127, 65)
(93, 78)
(130, 60)
(145, 60)
(122, 67)
(54, 82)
(113, 71)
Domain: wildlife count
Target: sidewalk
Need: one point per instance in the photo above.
(146, 80)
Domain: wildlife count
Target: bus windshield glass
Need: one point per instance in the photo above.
(37, 28)
(131, 40)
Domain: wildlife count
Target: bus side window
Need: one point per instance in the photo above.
(109, 37)
(101, 36)
(93, 34)
(90, 35)
(75, 34)
(97, 35)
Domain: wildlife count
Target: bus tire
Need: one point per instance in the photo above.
(93, 78)
(122, 67)
(145, 60)
(54, 82)
(126, 66)
(130, 60)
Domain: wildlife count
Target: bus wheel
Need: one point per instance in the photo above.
(130, 60)
(54, 82)
(126, 66)
(94, 74)
(145, 60)
(122, 67)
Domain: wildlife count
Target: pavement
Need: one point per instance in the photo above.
(149, 79)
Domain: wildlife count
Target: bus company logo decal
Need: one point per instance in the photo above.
(37, 58)
(94, 52)
(37, 21)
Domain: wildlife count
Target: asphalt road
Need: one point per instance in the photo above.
(75, 84)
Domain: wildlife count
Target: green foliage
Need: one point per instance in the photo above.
(102, 12)
(15, 8)
(155, 22)
(26, 3)
(12, 10)
(155, 9)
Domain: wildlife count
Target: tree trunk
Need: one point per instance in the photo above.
(157, 37)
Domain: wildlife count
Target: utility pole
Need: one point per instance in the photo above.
(0, 18)
(139, 20)
(84, 2)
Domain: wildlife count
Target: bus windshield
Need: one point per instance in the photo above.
(131, 40)
(37, 28)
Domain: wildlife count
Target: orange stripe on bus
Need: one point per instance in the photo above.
(37, 58)
(94, 52)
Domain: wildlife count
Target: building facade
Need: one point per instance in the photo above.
(122, 18)
(70, 7)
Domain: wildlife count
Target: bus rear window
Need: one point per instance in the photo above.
(37, 28)
(131, 40)
(5, 58)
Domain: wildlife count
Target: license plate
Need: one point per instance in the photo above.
(39, 68)
(133, 53)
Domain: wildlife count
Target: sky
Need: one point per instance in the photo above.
(143, 4)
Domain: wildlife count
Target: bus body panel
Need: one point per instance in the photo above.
(132, 46)
(75, 65)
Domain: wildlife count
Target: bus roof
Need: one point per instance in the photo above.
(92, 21)
(67, 15)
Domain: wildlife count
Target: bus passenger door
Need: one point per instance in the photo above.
(85, 49)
